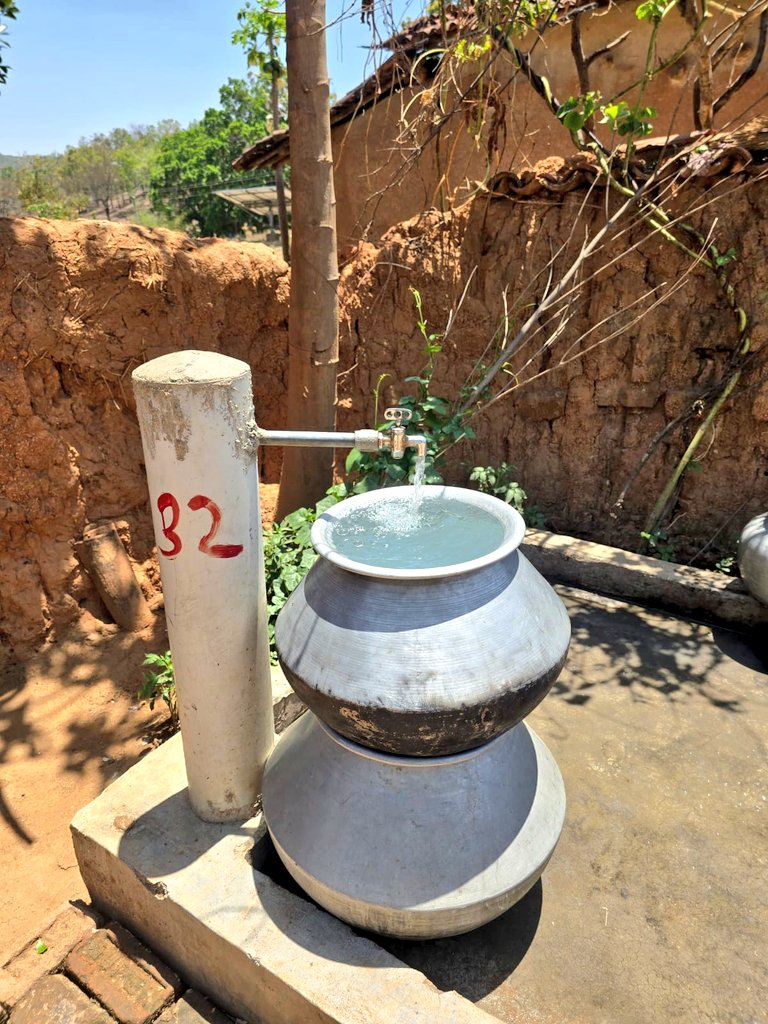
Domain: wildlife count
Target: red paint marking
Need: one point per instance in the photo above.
(214, 550)
(167, 500)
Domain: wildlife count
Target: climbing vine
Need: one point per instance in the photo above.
(606, 130)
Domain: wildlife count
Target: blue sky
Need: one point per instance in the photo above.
(84, 66)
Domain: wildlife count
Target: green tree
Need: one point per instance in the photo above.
(191, 162)
(9, 202)
(260, 34)
(39, 190)
(8, 9)
(138, 152)
(98, 168)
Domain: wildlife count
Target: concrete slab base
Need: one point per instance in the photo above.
(194, 892)
(653, 907)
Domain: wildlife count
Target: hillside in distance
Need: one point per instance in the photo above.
(12, 161)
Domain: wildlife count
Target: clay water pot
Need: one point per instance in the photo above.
(427, 659)
(753, 556)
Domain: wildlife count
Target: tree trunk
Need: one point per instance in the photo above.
(282, 213)
(313, 328)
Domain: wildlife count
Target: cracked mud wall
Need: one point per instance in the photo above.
(81, 305)
(577, 434)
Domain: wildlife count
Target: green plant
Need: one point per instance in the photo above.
(497, 480)
(625, 120)
(726, 565)
(159, 683)
(659, 545)
(441, 421)
(288, 556)
(149, 219)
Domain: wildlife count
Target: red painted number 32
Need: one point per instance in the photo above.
(167, 503)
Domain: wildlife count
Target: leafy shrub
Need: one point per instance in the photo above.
(660, 546)
(497, 480)
(288, 556)
(437, 418)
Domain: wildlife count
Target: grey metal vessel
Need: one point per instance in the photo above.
(753, 556)
(413, 847)
(423, 661)
(415, 802)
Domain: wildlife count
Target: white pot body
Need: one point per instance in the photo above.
(413, 847)
(753, 556)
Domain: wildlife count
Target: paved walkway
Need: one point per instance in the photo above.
(88, 971)
(654, 907)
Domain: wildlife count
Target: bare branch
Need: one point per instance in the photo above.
(608, 47)
(749, 71)
(703, 90)
(577, 52)
(621, 329)
(587, 249)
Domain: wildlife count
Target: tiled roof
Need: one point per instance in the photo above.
(696, 155)
(395, 73)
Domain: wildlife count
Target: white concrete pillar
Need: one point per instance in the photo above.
(195, 411)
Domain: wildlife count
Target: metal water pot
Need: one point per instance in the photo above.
(416, 847)
(753, 556)
(428, 660)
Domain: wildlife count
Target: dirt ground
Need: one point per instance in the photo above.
(70, 723)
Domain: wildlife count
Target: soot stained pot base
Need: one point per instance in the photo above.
(413, 847)
(424, 733)
(423, 663)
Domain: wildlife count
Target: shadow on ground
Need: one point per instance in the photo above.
(475, 964)
(651, 654)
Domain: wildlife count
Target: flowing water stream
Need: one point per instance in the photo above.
(418, 478)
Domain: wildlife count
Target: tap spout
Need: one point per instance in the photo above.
(395, 437)
(397, 441)
(419, 442)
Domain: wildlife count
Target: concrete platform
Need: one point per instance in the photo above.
(680, 589)
(194, 893)
(653, 908)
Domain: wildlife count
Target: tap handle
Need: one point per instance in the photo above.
(397, 415)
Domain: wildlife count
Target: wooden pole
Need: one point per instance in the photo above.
(313, 326)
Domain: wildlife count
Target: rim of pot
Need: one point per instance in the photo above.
(511, 520)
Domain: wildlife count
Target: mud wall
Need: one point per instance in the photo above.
(81, 305)
(577, 434)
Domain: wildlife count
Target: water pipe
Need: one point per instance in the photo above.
(393, 438)
(195, 411)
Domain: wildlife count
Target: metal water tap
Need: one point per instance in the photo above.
(393, 438)
(396, 438)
